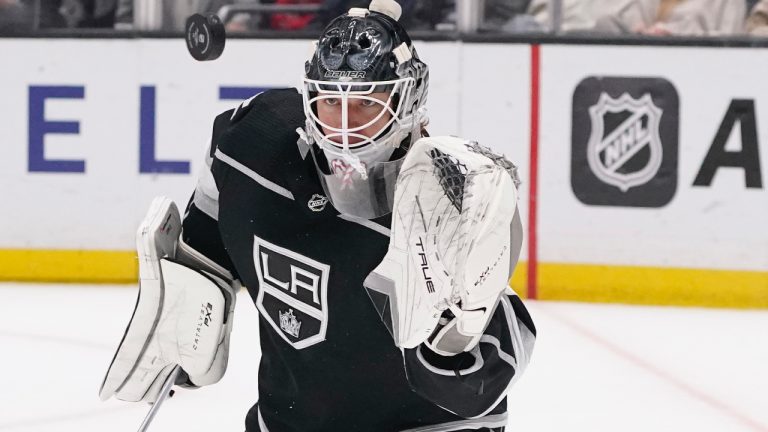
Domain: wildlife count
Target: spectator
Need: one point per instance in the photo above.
(509, 16)
(89, 13)
(175, 13)
(15, 16)
(333, 8)
(292, 21)
(432, 14)
(651, 17)
(43, 13)
(678, 17)
(576, 15)
(124, 15)
(757, 22)
(421, 14)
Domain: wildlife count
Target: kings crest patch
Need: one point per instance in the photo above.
(293, 293)
(624, 141)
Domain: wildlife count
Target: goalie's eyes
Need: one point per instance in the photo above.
(367, 103)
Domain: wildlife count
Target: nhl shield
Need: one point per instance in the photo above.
(293, 291)
(624, 141)
(610, 152)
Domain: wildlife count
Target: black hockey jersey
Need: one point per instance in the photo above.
(328, 362)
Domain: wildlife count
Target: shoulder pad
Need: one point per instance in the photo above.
(243, 109)
(231, 117)
(275, 99)
(220, 125)
(263, 138)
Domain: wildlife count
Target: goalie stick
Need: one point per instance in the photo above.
(165, 393)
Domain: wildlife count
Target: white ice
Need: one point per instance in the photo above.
(595, 368)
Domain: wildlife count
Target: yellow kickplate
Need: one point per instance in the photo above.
(574, 282)
(519, 280)
(68, 266)
(653, 285)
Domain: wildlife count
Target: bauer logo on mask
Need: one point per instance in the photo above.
(293, 293)
(624, 141)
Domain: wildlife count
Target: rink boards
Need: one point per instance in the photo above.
(643, 167)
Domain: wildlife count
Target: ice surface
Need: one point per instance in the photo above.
(595, 368)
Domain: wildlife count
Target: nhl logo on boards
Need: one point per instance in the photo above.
(317, 203)
(624, 141)
(609, 151)
(293, 293)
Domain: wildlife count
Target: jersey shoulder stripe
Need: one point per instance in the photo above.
(260, 141)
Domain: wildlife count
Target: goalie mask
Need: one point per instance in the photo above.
(364, 92)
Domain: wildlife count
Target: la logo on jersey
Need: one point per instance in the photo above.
(293, 291)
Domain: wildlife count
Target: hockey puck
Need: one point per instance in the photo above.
(205, 36)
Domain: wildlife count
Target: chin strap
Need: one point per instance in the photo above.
(304, 142)
(354, 162)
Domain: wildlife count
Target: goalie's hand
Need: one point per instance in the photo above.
(449, 257)
(182, 317)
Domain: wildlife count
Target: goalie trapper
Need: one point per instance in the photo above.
(450, 254)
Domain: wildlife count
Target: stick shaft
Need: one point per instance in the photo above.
(164, 392)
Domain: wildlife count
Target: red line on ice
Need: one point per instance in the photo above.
(660, 373)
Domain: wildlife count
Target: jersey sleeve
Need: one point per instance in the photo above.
(200, 243)
(471, 384)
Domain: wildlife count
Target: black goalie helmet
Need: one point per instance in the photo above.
(364, 92)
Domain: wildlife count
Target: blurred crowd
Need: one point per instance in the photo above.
(611, 17)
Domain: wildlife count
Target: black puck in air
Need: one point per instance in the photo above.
(205, 36)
